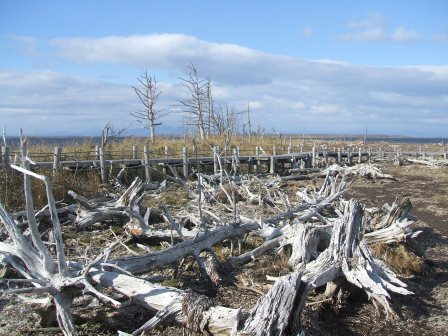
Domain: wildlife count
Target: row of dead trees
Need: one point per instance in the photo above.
(203, 116)
(329, 239)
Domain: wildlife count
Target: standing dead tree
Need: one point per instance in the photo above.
(196, 103)
(247, 127)
(110, 133)
(148, 93)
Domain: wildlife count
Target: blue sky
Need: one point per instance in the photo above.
(304, 66)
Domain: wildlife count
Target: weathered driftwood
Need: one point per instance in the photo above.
(89, 213)
(279, 311)
(276, 313)
(430, 162)
(394, 225)
(32, 259)
(191, 310)
(205, 241)
(368, 170)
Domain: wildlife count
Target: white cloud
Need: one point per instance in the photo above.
(285, 93)
(373, 28)
(307, 31)
(403, 35)
(441, 37)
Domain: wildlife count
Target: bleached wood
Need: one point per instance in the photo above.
(361, 170)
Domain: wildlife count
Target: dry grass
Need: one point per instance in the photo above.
(401, 258)
(123, 148)
(441, 199)
(11, 186)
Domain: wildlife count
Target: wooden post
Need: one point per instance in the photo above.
(420, 151)
(165, 155)
(237, 161)
(258, 162)
(146, 163)
(339, 159)
(186, 166)
(301, 147)
(444, 153)
(5, 156)
(134, 152)
(250, 165)
(370, 154)
(274, 150)
(359, 155)
(313, 157)
(326, 156)
(238, 151)
(103, 165)
(215, 160)
(289, 149)
(57, 159)
(349, 156)
(96, 155)
(273, 165)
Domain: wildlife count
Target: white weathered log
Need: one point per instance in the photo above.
(146, 263)
(368, 170)
(394, 226)
(89, 212)
(186, 309)
(430, 162)
(346, 256)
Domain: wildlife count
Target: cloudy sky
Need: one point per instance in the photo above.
(67, 67)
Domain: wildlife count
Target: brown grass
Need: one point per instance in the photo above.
(123, 148)
(11, 188)
(401, 258)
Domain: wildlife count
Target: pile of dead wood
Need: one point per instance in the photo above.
(220, 207)
(428, 161)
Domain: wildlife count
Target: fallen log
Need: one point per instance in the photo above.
(367, 170)
(279, 311)
(205, 241)
(430, 162)
(89, 213)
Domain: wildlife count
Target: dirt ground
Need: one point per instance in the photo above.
(424, 313)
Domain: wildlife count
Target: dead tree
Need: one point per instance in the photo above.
(109, 132)
(148, 93)
(210, 107)
(33, 260)
(195, 104)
